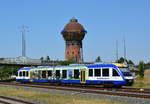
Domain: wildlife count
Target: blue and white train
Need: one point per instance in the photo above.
(101, 74)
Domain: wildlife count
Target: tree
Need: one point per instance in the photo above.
(7, 71)
(42, 59)
(130, 62)
(121, 60)
(47, 59)
(147, 65)
(71, 59)
(98, 59)
(141, 69)
(66, 62)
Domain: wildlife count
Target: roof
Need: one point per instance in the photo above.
(120, 65)
(74, 26)
(72, 66)
(101, 65)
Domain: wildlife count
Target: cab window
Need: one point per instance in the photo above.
(115, 73)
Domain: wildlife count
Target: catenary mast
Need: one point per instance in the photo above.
(23, 32)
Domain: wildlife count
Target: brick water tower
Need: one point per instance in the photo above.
(73, 34)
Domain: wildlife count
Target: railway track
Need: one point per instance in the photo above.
(126, 92)
(10, 100)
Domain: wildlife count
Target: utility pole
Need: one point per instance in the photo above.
(23, 32)
(117, 50)
(124, 41)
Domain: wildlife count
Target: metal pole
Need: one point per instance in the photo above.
(124, 48)
(23, 31)
(117, 50)
(81, 52)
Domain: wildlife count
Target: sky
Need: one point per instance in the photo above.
(106, 22)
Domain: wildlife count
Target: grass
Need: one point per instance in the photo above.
(143, 82)
(49, 98)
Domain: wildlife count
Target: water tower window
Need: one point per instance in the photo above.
(68, 53)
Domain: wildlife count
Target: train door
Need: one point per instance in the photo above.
(30, 75)
(82, 76)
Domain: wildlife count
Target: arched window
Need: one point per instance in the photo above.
(68, 53)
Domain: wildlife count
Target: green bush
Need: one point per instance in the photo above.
(141, 69)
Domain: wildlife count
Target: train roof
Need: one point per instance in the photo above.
(25, 68)
(120, 65)
(29, 68)
(101, 65)
(71, 66)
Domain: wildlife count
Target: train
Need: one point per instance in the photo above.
(113, 74)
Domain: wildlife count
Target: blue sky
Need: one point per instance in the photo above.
(105, 21)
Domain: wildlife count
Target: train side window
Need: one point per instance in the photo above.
(49, 73)
(115, 73)
(20, 73)
(90, 72)
(24, 73)
(105, 72)
(27, 73)
(64, 73)
(76, 74)
(43, 74)
(97, 72)
(57, 73)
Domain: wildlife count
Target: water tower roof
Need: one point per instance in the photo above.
(73, 26)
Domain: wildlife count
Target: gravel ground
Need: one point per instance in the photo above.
(130, 100)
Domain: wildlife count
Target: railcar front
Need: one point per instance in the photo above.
(129, 79)
(127, 75)
(105, 74)
(23, 75)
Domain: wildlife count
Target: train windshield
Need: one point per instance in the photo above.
(125, 71)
